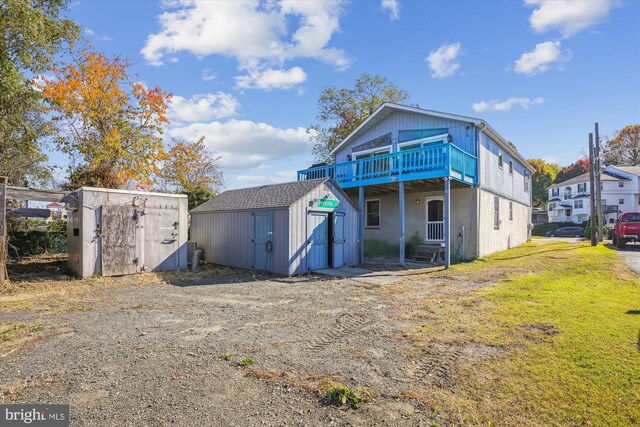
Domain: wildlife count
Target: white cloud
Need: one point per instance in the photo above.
(203, 107)
(568, 16)
(258, 34)
(541, 58)
(506, 105)
(208, 74)
(244, 144)
(89, 31)
(443, 62)
(275, 178)
(393, 7)
(268, 79)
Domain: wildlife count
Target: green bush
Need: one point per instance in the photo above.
(342, 395)
(36, 242)
(376, 247)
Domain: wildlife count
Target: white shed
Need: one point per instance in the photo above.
(288, 228)
(116, 232)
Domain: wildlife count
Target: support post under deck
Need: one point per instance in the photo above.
(361, 224)
(401, 221)
(447, 222)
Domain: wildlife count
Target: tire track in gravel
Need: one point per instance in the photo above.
(346, 325)
(436, 365)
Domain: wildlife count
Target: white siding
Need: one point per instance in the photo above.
(510, 233)
(499, 180)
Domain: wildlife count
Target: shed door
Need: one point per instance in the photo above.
(318, 243)
(118, 245)
(262, 240)
(338, 239)
(161, 244)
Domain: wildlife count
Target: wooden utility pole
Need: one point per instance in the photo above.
(3, 230)
(592, 196)
(599, 187)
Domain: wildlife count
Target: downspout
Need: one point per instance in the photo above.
(478, 194)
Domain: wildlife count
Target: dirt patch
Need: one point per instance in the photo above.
(539, 332)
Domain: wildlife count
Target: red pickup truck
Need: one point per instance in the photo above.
(627, 229)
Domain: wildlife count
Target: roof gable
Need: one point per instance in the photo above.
(386, 109)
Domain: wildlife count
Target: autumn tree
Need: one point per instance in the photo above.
(624, 149)
(342, 110)
(32, 33)
(191, 168)
(109, 123)
(542, 179)
(574, 169)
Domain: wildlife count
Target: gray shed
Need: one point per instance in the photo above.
(117, 232)
(288, 229)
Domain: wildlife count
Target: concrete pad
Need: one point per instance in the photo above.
(363, 275)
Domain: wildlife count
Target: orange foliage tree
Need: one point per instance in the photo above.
(108, 122)
(189, 166)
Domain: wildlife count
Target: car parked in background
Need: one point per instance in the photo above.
(627, 229)
(567, 232)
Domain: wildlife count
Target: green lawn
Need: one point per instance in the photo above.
(568, 318)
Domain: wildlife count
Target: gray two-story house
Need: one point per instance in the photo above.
(446, 179)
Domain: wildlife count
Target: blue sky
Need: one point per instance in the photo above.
(247, 75)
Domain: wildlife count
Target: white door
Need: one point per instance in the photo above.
(435, 219)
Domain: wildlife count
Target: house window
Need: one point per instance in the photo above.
(620, 183)
(567, 193)
(526, 182)
(373, 214)
(582, 188)
(555, 192)
(500, 161)
(552, 206)
(510, 167)
(577, 204)
(510, 211)
(496, 212)
(621, 201)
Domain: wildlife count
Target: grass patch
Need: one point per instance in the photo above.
(247, 361)
(13, 331)
(560, 312)
(342, 395)
(226, 357)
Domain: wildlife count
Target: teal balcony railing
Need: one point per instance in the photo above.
(433, 161)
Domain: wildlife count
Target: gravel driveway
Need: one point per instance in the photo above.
(149, 354)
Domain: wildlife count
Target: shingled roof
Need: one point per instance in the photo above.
(263, 197)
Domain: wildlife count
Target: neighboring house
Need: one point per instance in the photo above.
(620, 185)
(58, 212)
(448, 179)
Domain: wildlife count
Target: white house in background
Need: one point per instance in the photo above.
(569, 200)
(449, 180)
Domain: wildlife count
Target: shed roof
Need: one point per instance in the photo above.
(262, 197)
